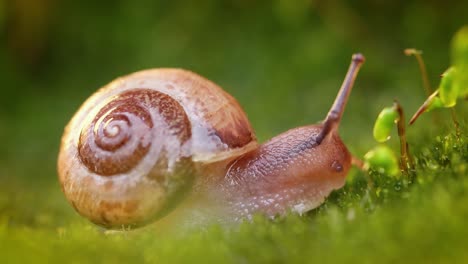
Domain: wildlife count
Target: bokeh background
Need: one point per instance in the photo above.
(283, 60)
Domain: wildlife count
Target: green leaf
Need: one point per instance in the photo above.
(460, 47)
(448, 89)
(384, 124)
(460, 60)
(434, 103)
(383, 160)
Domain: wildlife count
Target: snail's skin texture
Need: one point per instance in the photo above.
(171, 145)
(290, 172)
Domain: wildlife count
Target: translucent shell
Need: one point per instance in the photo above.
(129, 153)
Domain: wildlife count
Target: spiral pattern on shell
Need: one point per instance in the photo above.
(122, 132)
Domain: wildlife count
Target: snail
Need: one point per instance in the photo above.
(156, 140)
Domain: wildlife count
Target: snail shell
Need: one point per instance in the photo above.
(137, 145)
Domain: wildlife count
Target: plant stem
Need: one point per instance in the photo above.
(422, 68)
(455, 121)
(406, 161)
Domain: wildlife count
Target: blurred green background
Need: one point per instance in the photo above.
(283, 60)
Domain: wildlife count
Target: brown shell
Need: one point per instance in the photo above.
(128, 153)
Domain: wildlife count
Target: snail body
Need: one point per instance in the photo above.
(148, 142)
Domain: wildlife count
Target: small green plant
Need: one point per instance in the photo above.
(454, 82)
(382, 158)
(453, 86)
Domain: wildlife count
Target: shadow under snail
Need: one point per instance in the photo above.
(154, 142)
